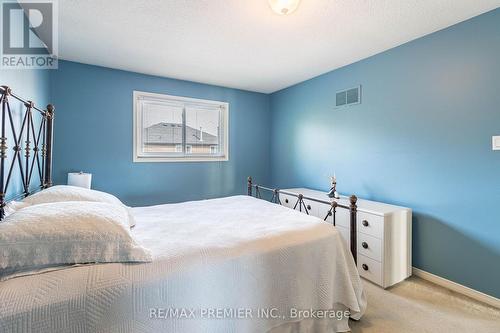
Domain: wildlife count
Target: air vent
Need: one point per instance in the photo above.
(348, 97)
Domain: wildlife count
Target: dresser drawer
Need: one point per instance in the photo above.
(370, 246)
(323, 210)
(370, 224)
(290, 202)
(345, 234)
(312, 207)
(342, 217)
(287, 200)
(370, 269)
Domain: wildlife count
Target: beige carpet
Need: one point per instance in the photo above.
(416, 305)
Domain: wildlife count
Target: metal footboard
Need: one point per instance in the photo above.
(255, 190)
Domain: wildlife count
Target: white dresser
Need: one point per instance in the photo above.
(383, 234)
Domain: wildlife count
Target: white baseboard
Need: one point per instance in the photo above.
(461, 289)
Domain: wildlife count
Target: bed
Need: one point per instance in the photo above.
(235, 264)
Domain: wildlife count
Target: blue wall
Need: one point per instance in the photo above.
(28, 84)
(421, 138)
(93, 131)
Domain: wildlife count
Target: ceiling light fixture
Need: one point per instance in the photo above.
(284, 7)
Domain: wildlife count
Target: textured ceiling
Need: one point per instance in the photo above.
(242, 43)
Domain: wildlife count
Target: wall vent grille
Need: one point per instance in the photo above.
(349, 96)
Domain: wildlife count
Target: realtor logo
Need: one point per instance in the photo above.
(29, 34)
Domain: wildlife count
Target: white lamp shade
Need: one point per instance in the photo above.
(80, 179)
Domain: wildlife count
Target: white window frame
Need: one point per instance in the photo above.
(137, 130)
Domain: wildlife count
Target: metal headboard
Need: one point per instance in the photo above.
(29, 136)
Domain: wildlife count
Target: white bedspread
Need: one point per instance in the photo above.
(222, 263)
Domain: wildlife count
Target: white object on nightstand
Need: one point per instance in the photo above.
(496, 142)
(80, 179)
(383, 234)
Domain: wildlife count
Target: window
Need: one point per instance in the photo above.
(171, 128)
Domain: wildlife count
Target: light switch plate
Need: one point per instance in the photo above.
(496, 142)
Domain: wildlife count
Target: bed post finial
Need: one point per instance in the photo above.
(50, 110)
(354, 212)
(6, 90)
(249, 186)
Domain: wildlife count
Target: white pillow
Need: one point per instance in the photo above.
(13, 206)
(61, 193)
(63, 233)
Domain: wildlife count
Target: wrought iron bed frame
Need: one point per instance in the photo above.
(41, 137)
(44, 162)
(301, 205)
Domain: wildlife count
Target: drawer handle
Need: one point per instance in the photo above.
(365, 267)
(286, 200)
(365, 223)
(308, 207)
(364, 245)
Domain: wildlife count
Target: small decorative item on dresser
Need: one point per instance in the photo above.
(80, 179)
(333, 189)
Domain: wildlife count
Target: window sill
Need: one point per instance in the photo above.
(179, 159)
